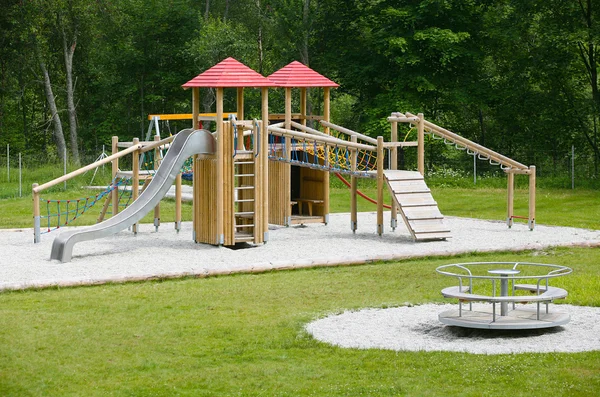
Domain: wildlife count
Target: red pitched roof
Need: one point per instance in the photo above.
(297, 74)
(229, 73)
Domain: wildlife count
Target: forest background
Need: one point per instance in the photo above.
(519, 77)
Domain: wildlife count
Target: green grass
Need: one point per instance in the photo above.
(243, 335)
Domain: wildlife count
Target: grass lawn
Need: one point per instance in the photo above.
(244, 335)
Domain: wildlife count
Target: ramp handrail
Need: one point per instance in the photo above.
(459, 140)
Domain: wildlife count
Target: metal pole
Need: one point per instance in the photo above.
(7, 163)
(475, 170)
(65, 167)
(572, 166)
(20, 177)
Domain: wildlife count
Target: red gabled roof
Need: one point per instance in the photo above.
(297, 74)
(229, 73)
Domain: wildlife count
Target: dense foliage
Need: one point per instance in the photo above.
(520, 77)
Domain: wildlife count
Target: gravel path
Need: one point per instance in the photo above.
(418, 329)
(166, 253)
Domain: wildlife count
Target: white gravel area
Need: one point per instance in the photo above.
(165, 253)
(417, 329)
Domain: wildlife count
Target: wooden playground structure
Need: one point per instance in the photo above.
(276, 169)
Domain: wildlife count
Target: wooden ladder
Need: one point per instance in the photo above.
(244, 178)
(416, 205)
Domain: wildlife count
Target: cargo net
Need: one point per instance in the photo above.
(60, 213)
(314, 154)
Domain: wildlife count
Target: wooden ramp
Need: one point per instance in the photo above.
(416, 205)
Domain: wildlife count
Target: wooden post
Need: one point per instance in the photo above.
(353, 188)
(326, 117)
(195, 164)
(258, 178)
(115, 169)
(421, 144)
(195, 107)
(303, 106)
(511, 199)
(264, 151)
(157, 208)
(37, 234)
(240, 103)
(135, 184)
(178, 202)
(531, 221)
(220, 237)
(240, 116)
(380, 185)
(104, 209)
(287, 194)
(394, 166)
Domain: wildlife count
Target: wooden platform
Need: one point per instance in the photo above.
(416, 205)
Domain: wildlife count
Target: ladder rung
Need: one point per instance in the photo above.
(240, 226)
(243, 162)
(244, 201)
(244, 187)
(241, 175)
(244, 213)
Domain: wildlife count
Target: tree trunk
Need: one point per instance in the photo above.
(304, 54)
(58, 130)
(260, 38)
(69, 50)
(587, 53)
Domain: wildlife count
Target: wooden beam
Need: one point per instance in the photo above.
(115, 169)
(240, 103)
(219, 238)
(394, 166)
(135, 184)
(353, 188)
(326, 118)
(510, 199)
(347, 131)
(380, 183)
(421, 144)
(264, 150)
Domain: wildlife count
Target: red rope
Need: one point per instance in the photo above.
(361, 194)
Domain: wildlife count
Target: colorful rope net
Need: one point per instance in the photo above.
(60, 213)
(314, 154)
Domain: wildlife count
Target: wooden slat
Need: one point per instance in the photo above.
(432, 236)
(416, 199)
(402, 175)
(423, 212)
(428, 226)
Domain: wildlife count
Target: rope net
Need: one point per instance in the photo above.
(60, 213)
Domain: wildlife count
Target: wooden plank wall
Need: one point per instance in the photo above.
(279, 183)
(205, 199)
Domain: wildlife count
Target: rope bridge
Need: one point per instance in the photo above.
(320, 151)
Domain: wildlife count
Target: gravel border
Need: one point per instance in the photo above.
(418, 329)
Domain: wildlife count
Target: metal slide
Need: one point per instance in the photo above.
(187, 143)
